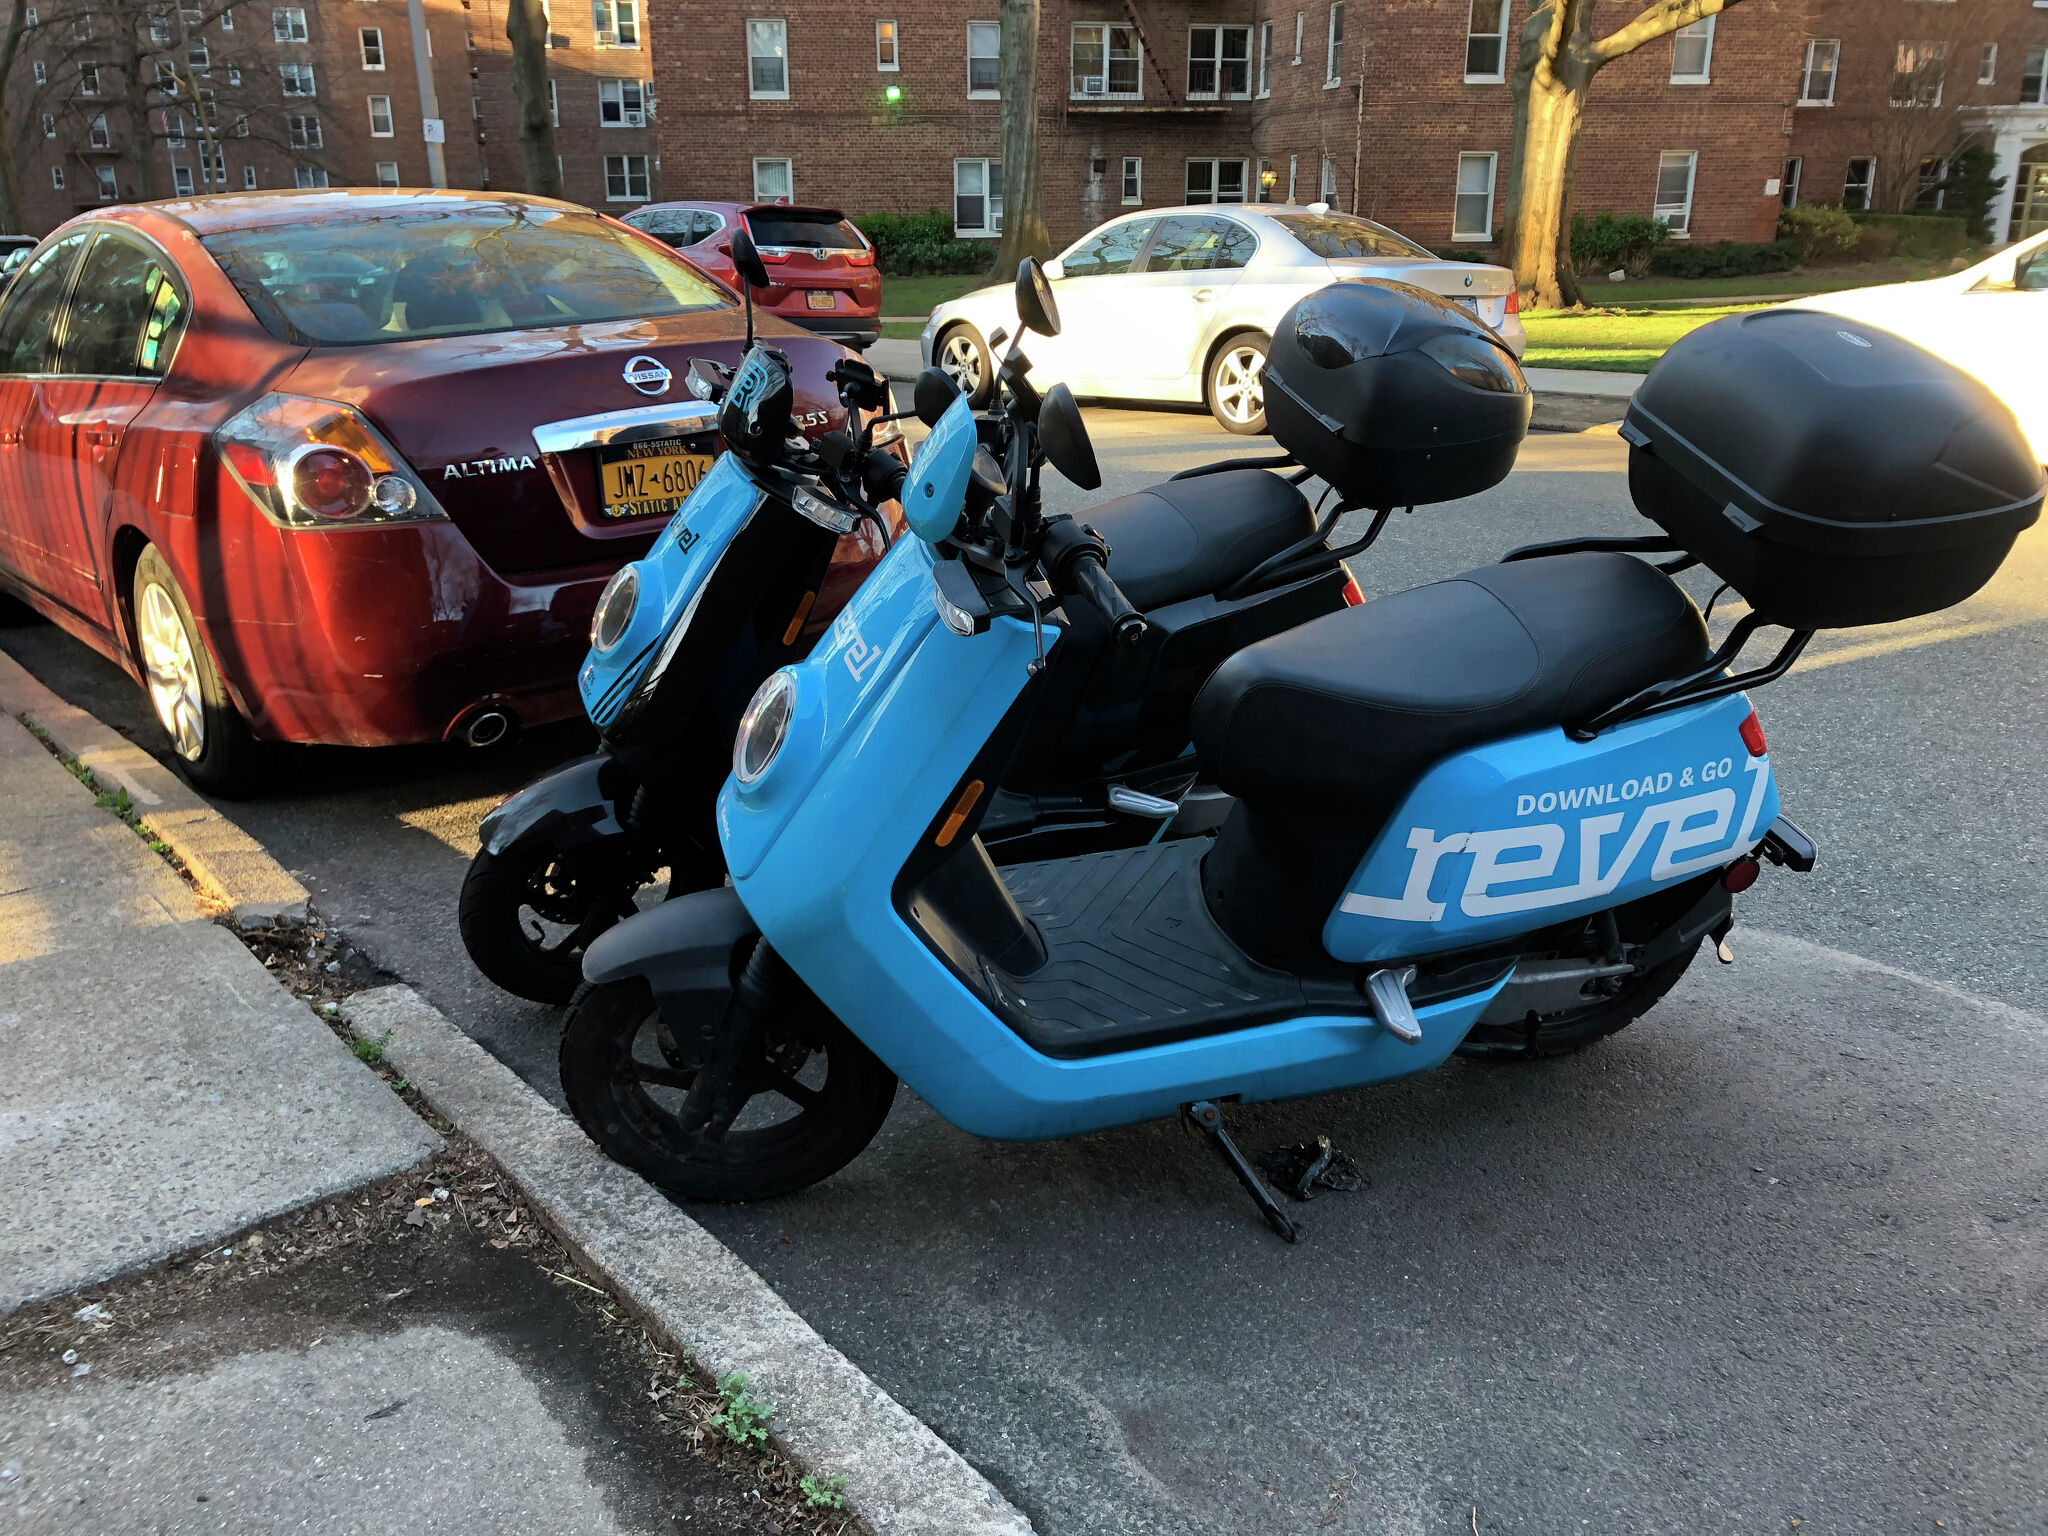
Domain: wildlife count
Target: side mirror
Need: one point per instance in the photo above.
(2032, 276)
(1037, 310)
(1055, 270)
(1065, 439)
(933, 395)
(747, 261)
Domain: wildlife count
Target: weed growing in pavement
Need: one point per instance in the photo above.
(370, 1051)
(117, 802)
(742, 1419)
(823, 1493)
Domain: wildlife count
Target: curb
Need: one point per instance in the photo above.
(225, 862)
(901, 1478)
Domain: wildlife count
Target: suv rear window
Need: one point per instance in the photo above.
(803, 229)
(451, 269)
(1335, 236)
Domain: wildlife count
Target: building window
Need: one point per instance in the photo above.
(1105, 60)
(1692, 53)
(1817, 75)
(1931, 187)
(199, 59)
(387, 173)
(774, 180)
(2034, 78)
(304, 132)
(50, 127)
(885, 46)
(977, 199)
(174, 129)
(308, 176)
(767, 59)
(96, 134)
(1265, 60)
(1486, 43)
(181, 180)
(296, 79)
(625, 178)
(1472, 214)
(88, 79)
(248, 178)
(373, 47)
(1326, 187)
(42, 72)
(1216, 181)
(984, 60)
(380, 117)
(1134, 180)
(241, 125)
(57, 177)
(1219, 63)
(288, 26)
(620, 104)
(1333, 60)
(1987, 65)
(1673, 207)
(104, 174)
(234, 74)
(81, 27)
(212, 167)
(1859, 184)
(167, 77)
(616, 23)
(1917, 76)
(227, 21)
(1788, 186)
(554, 104)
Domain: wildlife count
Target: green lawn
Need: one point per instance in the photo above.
(1621, 340)
(921, 295)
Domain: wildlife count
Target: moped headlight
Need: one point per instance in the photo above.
(764, 727)
(615, 607)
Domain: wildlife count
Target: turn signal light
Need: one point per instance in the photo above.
(1753, 735)
(319, 464)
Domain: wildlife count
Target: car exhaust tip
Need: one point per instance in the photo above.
(487, 729)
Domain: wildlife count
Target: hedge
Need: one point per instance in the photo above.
(1911, 236)
(1724, 258)
(921, 244)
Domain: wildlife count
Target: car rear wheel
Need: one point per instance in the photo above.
(963, 358)
(210, 742)
(1237, 387)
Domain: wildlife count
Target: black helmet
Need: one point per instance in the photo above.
(1395, 396)
(754, 418)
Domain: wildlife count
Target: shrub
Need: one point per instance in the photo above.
(921, 244)
(1725, 258)
(1911, 236)
(1972, 189)
(1821, 231)
(1605, 242)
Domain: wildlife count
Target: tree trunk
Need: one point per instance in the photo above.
(11, 217)
(526, 29)
(1536, 199)
(1023, 212)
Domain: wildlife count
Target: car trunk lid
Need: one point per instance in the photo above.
(813, 250)
(1482, 289)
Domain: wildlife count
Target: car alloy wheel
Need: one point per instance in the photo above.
(172, 670)
(1237, 387)
(960, 360)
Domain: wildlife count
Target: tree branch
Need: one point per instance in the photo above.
(1653, 22)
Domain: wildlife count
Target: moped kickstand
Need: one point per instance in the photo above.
(1205, 1117)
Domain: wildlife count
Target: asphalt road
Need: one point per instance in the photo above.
(1775, 1254)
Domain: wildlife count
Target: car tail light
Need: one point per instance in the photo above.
(862, 258)
(318, 464)
(1514, 301)
(1753, 735)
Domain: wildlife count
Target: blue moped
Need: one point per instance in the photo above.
(1498, 813)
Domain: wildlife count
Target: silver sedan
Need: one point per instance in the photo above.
(1176, 304)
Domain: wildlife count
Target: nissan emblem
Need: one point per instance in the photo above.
(647, 375)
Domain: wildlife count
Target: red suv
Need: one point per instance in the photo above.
(821, 270)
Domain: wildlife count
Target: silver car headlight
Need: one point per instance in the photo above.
(615, 608)
(764, 727)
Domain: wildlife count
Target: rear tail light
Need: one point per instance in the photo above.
(1753, 735)
(317, 464)
(859, 258)
(1514, 301)
(1352, 596)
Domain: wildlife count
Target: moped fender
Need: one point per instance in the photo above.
(683, 948)
(567, 808)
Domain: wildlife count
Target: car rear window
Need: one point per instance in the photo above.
(1334, 236)
(776, 229)
(451, 269)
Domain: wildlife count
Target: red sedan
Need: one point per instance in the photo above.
(821, 270)
(332, 466)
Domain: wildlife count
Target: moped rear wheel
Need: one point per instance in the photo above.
(817, 1096)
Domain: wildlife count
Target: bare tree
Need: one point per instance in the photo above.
(1024, 233)
(1934, 72)
(526, 29)
(1558, 58)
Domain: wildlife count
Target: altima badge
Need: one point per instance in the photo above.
(647, 375)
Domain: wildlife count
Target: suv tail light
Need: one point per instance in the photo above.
(318, 464)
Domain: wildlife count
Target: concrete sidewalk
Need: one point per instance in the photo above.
(158, 1090)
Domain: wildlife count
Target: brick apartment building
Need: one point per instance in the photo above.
(124, 100)
(1399, 109)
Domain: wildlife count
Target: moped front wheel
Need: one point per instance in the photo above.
(816, 1096)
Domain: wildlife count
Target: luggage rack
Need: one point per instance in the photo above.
(1710, 681)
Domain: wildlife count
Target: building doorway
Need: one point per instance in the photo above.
(2030, 194)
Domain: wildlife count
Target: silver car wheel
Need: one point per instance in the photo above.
(960, 361)
(172, 671)
(1240, 390)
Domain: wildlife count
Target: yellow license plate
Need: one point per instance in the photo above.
(820, 300)
(641, 484)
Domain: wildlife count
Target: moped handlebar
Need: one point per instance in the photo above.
(1073, 557)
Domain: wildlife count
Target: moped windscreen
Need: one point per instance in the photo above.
(935, 493)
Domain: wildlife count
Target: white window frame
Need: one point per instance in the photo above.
(109, 183)
(1076, 82)
(1676, 217)
(89, 79)
(991, 195)
(234, 74)
(198, 57)
(390, 128)
(213, 165)
(181, 180)
(1941, 79)
(1333, 47)
(289, 75)
(1326, 184)
(754, 90)
(97, 134)
(2035, 68)
(1262, 86)
(1293, 168)
(248, 178)
(288, 24)
(1987, 65)
(1806, 70)
(371, 40)
(41, 72)
(382, 167)
(1789, 183)
(174, 129)
(241, 125)
(1704, 75)
(57, 178)
(50, 126)
(996, 93)
(623, 17)
(1216, 32)
(302, 130)
(1299, 17)
(308, 177)
(1133, 183)
(1868, 184)
(1214, 165)
(227, 19)
(788, 175)
(554, 104)
(626, 176)
(1485, 232)
(891, 61)
(1499, 35)
(628, 98)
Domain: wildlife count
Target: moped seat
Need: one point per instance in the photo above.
(1183, 538)
(1350, 709)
